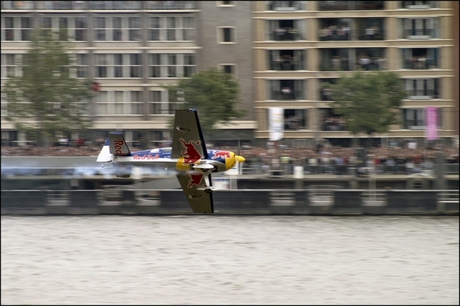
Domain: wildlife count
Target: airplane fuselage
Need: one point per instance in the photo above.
(219, 160)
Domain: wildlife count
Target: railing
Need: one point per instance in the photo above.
(346, 169)
(170, 5)
(285, 5)
(419, 4)
(281, 35)
(419, 33)
(420, 63)
(292, 95)
(350, 5)
(352, 65)
(287, 65)
(327, 35)
(423, 94)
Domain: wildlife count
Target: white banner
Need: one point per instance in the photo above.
(276, 123)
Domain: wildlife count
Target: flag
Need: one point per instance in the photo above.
(276, 123)
(431, 123)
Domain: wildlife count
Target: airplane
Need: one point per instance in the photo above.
(188, 154)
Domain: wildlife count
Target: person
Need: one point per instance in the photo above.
(286, 90)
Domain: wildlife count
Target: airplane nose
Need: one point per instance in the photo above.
(240, 158)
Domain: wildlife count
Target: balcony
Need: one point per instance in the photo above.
(350, 5)
(286, 60)
(285, 30)
(420, 58)
(286, 34)
(367, 64)
(115, 5)
(17, 5)
(334, 29)
(287, 90)
(285, 5)
(326, 93)
(171, 5)
(420, 63)
(423, 94)
(417, 5)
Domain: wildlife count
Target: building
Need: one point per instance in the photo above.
(281, 52)
(299, 45)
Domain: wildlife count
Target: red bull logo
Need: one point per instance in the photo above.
(190, 153)
(195, 179)
(221, 154)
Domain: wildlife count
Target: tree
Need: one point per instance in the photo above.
(213, 93)
(46, 100)
(368, 101)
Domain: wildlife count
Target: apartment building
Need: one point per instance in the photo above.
(132, 49)
(300, 45)
(281, 53)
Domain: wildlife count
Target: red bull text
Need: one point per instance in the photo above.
(118, 146)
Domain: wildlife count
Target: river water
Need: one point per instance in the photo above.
(230, 260)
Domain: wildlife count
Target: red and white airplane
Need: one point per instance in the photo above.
(188, 155)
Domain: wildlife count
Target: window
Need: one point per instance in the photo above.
(117, 28)
(81, 29)
(100, 28)
(419, 4)
(119, 102)
(295, 119)
(101, 65)
(226, 34)
(225, 3)
(135, 69)
(171, 28)
(171, 65)
(420, 58)
(114, 5)
(16, 28)
(284, 5)
(287, 89)
(157, 103)
(81, 63)
(422, 89)
(74, 28)
(419, 28)
(286, 29)
(11, 65)
(414, 119)
(134, 24)
(137, 104)
(189, 65)
(188, 29)
(286, 59)
(229, 68)
(118, 66)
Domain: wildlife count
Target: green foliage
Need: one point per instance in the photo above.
(213, 93)
(368, 101)
(46, 100)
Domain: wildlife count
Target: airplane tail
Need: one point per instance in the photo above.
(115, 145)
(105, 156)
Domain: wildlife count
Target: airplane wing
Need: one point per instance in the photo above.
(198, 194)
(188, 141)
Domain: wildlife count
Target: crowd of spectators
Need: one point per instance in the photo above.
(296, 156)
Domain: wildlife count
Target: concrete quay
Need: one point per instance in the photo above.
(123, 200)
